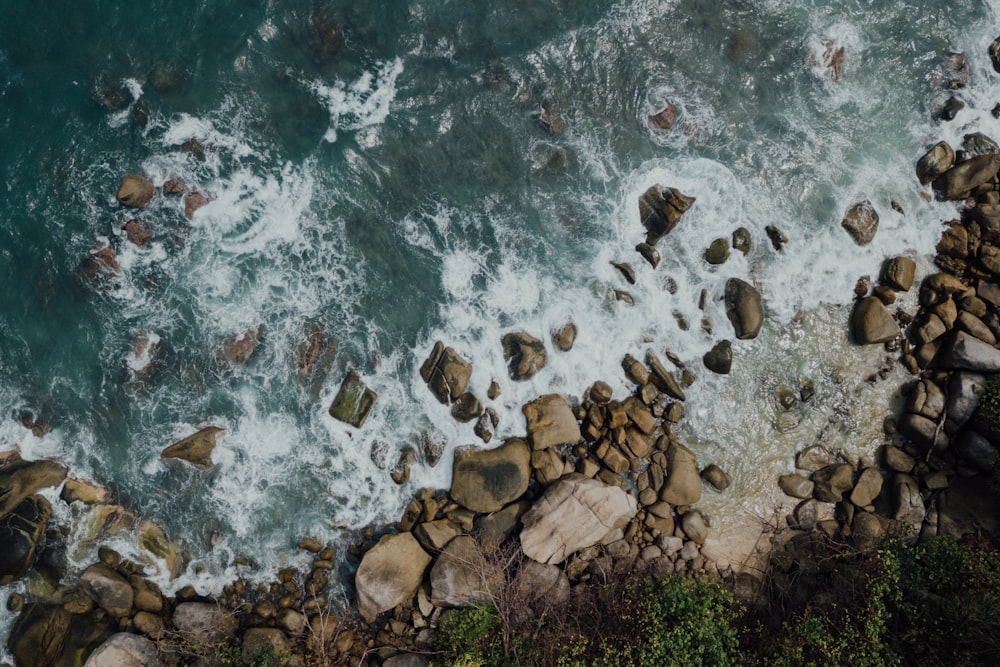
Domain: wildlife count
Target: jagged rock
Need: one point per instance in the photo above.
(935, 162)
(24, 478)
(898, 272)
(196, 449)
(966, 352)
(135, 191)
(683, 484)
(446, 373)
(574, 513)
(204, 622)
(861, 222)
(564, 338)
(796, 486)
(720, 358)
(109, 589)
(353, 402)
(20, 532)
(662, 378)
(744, 308)
(660, 209)
(389, 574)
(551, 422)
(832, 482)
(525, 355)
(486, 480)
(957, 182)
(458, 575)
(867, 488)
(871, 322)
(125, 650)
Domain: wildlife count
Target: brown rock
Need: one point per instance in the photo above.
(174, 186)
(136, 232)
(666, 118)
(564, 338)
(135, 191)
(861, 222)
(196, 449)
(551, 422)
(238, 350)
(193, 202)
(525, 355)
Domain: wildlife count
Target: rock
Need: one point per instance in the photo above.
(830, 483)
(867, 488)
(291, 621)
(717, 252)
(574, 513)
(976, 450)
(174, 186)
(683, 484)
(149, 624)
(389, 574)
(493, 529)
(542, 583)
(926, 400)
(600, 393)
(136, 232)
(935, 162)
(626, 270)
(21, 529)
(486, 480)
(813, 458)
(930, 329)
(551, 422)
(257, 642)
(204, 622)
(434, 535)
(951, 108)
(649, 253)
(939, 287)
(744, 308)
(957, 182)
(662, 378)
(146, 596)
(46, 634)
(923, 432)
(564, 338)
(314, 352)
(196, 449)
(796, 486)
(896, 459)
(135, 191)
(804, 515)
(720, 358)
(971, 324)
(125, 650)
(78, 490)
(525, 355)
(861, 222)
(908, 502)
(898, 272)
(458, 577)
(977, 143)
(109, 589)
(143, 352)
(871, 322)
(666, 118)
(406, 660)
(716, 476)
(238, 350)
(660, 209)
(21, 479)
(446, 373)
(966, 352)
(354, 401)
(99, 266)
(193, 202)
(466, 408)
(693, 525)
(866, 530)
(776, 236)
(741, 240)
(153, 540)
(994, 52)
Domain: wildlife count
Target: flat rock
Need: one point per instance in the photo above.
(389, 574)
(196, 449)
(574, 513)
(682, 485)
(551, 422)
(744, 308)
(871, 322)
(487, 480)
(124, 649)
(964, 351)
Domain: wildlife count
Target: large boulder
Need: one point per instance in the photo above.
(871, 322)
(935, 162)
(551, 422)
(923, 432)
(20, 532)
(964, 351)
(353, 402)
(459, 576)
(135, 191)
(961, 179)
(124, 649)
(389, 574)
(23, 478)
(196, 449)
(109, 589)
(908, 502)
(204, 622)
(832, 482)
(574, 513)
(898, 272)
(486, 480)
(46, 635)
(744, 308)
(683, 483)
(720, 358)
(542, 583)
(861, 222)
(446, 373)
(525, 355)
(660, 209)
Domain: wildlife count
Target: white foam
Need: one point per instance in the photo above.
(361, 104)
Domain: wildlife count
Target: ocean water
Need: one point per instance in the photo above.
(377, 171)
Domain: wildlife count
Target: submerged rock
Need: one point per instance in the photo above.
(238, 350)
(353, 402)
(193, 202)
(136, 232)
(563, 338)
(666, 118)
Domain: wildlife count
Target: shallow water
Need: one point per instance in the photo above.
(400, 191)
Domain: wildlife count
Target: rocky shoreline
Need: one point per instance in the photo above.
(596, 485)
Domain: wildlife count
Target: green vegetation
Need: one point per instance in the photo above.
(936, 603)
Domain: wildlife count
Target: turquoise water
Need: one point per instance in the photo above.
(394, 187)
